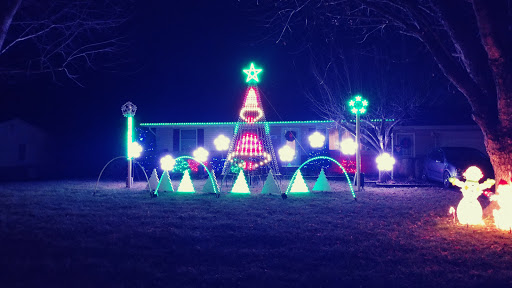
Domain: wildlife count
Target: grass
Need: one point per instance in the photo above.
(56, 234)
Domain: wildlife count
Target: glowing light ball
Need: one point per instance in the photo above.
(385, 162)
(221, 143)
(167, 162)
(469, 210)
(316, 140)
(286, 153)
(201, 154)
(503, 215)
(134, 150)
(348, 146)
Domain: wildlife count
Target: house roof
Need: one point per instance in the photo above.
(234, 123)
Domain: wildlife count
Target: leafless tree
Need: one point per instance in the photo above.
(393, 100)
(470, 40)
(61, 37)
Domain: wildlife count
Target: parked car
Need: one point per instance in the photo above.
(445, 162)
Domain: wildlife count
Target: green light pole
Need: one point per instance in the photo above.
(128, 110)
(357, 105)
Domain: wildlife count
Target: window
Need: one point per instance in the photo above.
(404, 145)
(188, 140)
(290, 137)
(334, 139)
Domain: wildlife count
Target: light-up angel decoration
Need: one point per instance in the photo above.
(503, 215)
(469, 210)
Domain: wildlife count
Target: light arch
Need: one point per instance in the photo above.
(326, 158)
(215, 188)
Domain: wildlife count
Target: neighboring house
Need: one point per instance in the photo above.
(25, 151)
(410, 143)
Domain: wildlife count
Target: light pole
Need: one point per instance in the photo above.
(358, 106)
(128, 110)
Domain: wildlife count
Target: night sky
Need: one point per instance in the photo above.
(185, 65)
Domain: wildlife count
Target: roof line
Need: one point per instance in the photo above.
(234, 123)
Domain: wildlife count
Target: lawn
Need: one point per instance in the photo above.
(57, 234)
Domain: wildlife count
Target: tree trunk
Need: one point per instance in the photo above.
(499, 148)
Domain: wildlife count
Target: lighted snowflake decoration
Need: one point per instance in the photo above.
(316, 140)
(167, 162)
(128, 109)
(385, 162)
(201, 154)
(358, 105)
(134, 150)
(221, 143)
(286, 153)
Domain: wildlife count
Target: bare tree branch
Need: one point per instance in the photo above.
(62, 37)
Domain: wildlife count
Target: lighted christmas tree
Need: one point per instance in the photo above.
(208, 186)
(165, 183)
(299, 185)
(153, 181)
(321, 183)
(240, 185)
(251, 148)
(186, 184)
(270, 186)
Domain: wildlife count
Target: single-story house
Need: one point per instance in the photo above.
(410, 143)
(25, 151)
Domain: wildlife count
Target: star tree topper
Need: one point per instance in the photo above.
(252, 73)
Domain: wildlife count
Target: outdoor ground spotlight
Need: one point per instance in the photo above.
(385, 162)
(316, 140)
(286, 153)
(348, 146)
(221, 143)
(201, 154)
